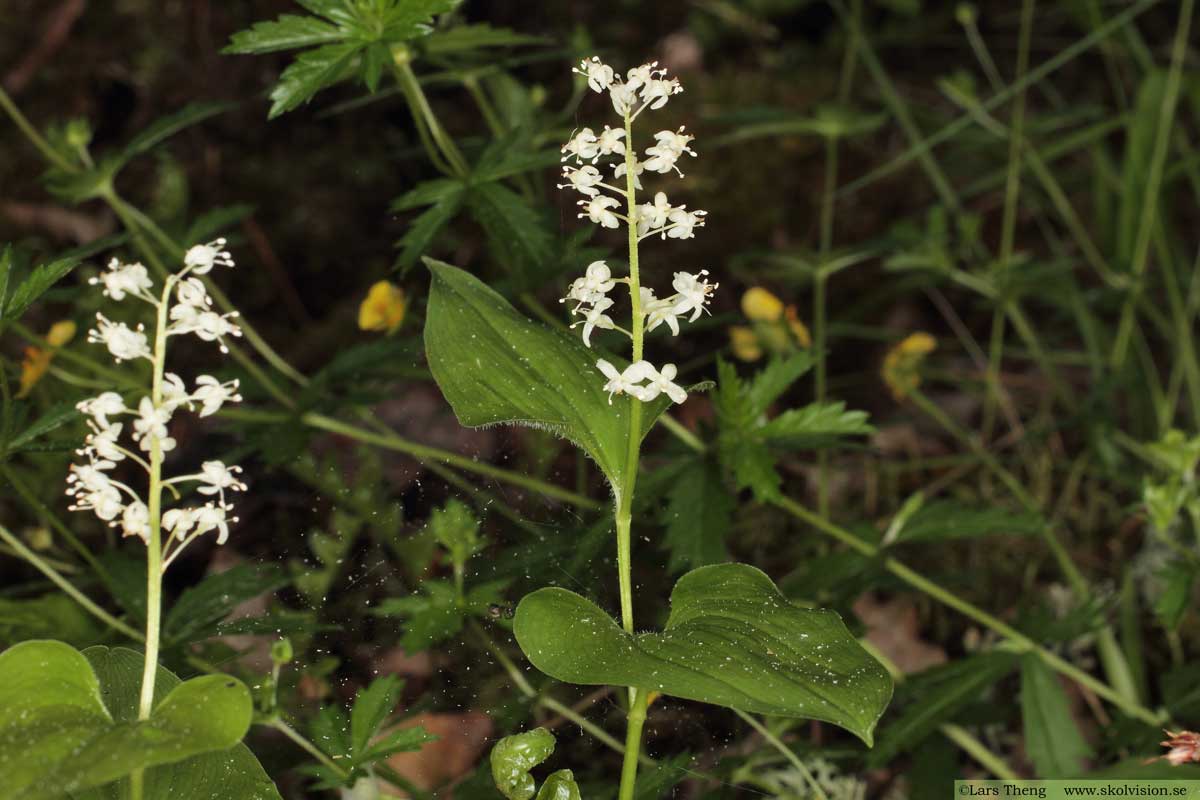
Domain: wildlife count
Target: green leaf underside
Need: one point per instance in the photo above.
(731, 639)
(495, 366)
(68, 727)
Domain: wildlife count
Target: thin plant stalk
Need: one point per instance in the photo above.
(624, 521)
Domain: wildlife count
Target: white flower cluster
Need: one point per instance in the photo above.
(91, 485)
(644, 87)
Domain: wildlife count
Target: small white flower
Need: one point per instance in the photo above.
(683, 221)
(642, 75)
(212, 394)
(661, 382)
(151, 425)
(123, 342)
(597, 210)
(668, 148)
(136, 521)
(174, 391)
(596, 318)
(208, 325)
(122, 279)
(102, 407)
(203, 257)
(582, 180)
(611, 141)
(90, 476)
(693, 293)
(179, 521)
(624, 97)
(625, 382)
(621, 169)
(191, 292)
(106, 503)
(212, 518)
(583, 146)
(659, 311)
(217, 477)
(103, 442)
(653, 215)
(599, 75)
(656, 92)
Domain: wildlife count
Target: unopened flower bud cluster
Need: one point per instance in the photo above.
(183, 308)
(644, 87)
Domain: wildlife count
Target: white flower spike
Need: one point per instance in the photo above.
(185, 302)
(644, 88)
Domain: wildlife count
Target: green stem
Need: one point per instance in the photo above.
(154, 548)
(951, 600)
(402, 70)
(978, 751)
(68, 588)
(1166, 114)
(46, 514)
(785, 751)
(307, 746)
(637, 698)
(424, 452)
(819, 327)
(31, 133)
(638, 702)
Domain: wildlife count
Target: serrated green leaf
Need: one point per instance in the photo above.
(288, 32)
(775, 379)
(311, 72)
(54, 418)
(375, 57)
(495, 366)
(697, 516)
(424, 229)
(731, 639)
(753, 468)
(1174, 600)
(1052, 739)
(372, 706)
(196, 614)
(168, 126)
(38, 282)
(516, 235)
(513, 757)
(456, 527)
(432, 616)
(949, 519)
(935, 696)
(814, 425)
(464, 38)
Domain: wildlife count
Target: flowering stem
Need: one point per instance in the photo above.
(154, 551)
(637, 699)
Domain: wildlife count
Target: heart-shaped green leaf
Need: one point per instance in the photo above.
(495, 366)
(732, 640)
(67, 725)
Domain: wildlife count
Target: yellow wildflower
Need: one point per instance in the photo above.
(37, 360)
(799, 329)
(759, 305)
(744, 343)
(902, 363)
(383, 309)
